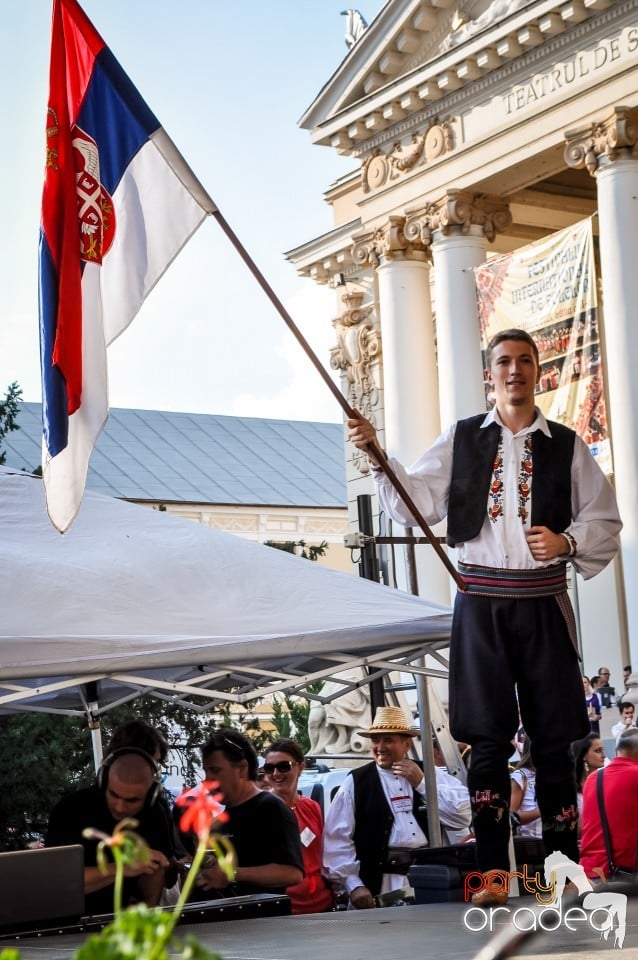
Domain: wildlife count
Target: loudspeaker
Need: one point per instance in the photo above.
(103, 772)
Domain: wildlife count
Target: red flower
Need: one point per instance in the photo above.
(202, 809)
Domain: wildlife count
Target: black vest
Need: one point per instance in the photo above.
(373, 821)
(473, 465)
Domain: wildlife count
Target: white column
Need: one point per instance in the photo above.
(617, 182)
(410, 388)
(455, 255)
(410, 384)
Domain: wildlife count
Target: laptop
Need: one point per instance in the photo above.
(40, 888)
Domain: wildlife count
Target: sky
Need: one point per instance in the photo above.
(229, 83)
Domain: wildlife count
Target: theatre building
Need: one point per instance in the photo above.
(479, 130)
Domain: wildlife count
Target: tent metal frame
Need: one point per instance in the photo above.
(224, 683)
(241, 683)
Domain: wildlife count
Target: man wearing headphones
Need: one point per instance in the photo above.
(128, 785)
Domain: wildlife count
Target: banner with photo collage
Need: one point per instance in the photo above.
(548, 288)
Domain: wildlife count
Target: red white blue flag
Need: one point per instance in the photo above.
(119, 203)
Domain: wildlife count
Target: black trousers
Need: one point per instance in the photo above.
(501, 648)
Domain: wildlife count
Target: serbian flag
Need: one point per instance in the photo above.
(118, 204)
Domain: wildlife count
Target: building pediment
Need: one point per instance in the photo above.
(404, 32)
(418, 52)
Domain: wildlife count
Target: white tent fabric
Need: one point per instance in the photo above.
(137, 598)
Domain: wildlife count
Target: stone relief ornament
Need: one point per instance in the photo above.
(405, 158)
(458, 208)
(388, 241)
(333, 727)
(438, 140)
(376, 170)
(357, 340)
(358, 346)
(419, 225)
(609, 138)
(368, 249)
(380, 168)
(492, 15)
(360, 459)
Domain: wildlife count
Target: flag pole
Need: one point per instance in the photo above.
(374, 448)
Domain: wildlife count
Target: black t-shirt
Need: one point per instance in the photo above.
(262, 830)
(88, 808)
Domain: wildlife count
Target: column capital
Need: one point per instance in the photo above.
(604, 141)
(387, 242)
(456, 212)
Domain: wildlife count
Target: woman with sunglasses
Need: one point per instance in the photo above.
(283, 766)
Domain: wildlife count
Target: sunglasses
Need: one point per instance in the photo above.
(284, 766)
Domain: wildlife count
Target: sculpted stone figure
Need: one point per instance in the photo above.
(333, 726)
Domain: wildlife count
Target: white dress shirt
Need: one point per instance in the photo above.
(502, 543)
(340, 863)
(526, 780)
(619, 728)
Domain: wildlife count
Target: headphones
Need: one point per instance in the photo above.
(155, 788)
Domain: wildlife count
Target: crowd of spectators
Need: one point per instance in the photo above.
(376, 824)
(279, 837)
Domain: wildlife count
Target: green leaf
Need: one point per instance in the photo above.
(140, 933)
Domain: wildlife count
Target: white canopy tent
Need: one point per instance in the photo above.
(133, 600)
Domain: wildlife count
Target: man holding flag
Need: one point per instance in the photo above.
(522, 496)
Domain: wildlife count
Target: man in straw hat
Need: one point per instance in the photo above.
(381, 806)
(522, 496)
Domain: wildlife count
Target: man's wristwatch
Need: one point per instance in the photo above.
(573, 546)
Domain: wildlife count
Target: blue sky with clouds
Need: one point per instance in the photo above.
(229, 83)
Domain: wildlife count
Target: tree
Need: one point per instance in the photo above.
(41, 757)
(52, 754)
(9, 409)
(292, 722)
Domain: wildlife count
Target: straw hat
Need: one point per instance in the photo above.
(390, 720)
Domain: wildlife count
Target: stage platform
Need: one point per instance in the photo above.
(423, 931)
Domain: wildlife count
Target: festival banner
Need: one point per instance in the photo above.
(548, 288)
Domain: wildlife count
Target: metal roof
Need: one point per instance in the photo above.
(201, 458)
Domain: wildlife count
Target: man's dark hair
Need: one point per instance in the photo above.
(625, 703)
(235, 747)
(580, 748)
(284, 745)
(628, 741)
(512, 334)
(138, 733)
